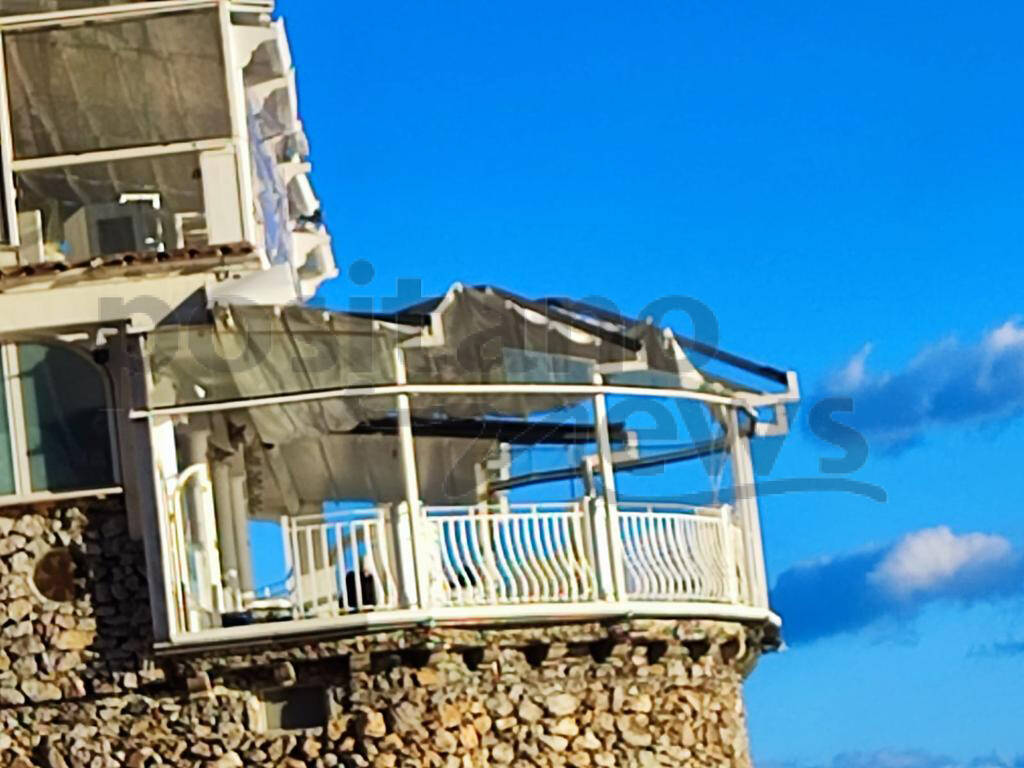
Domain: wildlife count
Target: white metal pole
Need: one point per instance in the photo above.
(10, 206)
(243, 547)
(226, 532)
(409, 520)
(160, 435)
(745, 492)
(615, 586)
(238, 111)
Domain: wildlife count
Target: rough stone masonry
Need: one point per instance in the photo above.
(80, 685)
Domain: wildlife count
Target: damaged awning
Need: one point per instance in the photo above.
(304, 452)
(470, 336)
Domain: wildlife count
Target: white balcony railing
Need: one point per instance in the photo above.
(679, 552)
(389, 565)
(492, 555)
(339, 563)
(509, 554)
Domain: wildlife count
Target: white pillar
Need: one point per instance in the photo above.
(243, 547)
(198, 446)
(406, 518)
(745, 491)
(221, 476)
(606, 515)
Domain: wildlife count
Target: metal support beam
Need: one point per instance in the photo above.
(116, 155)
(243, 547)
(407, 516)
(10, 206)
(745, 491)
(612, 577)
(221, 476)
(569, 390)
(239, 125)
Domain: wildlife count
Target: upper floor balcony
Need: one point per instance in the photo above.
(152, 138)
(475, 458)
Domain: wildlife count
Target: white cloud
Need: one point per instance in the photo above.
(853, 375)
(945, 383)
(1009, 334)
(851, 591)
(932, 558)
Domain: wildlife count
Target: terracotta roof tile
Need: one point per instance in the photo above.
(228, 253)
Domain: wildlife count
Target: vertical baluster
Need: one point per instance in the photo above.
(455, 550)
(506, 556)
(322, 565)
(339, 570)
(672, 522)
(474, 583)
(289, 561)
(543, 543)
(533, 588)
(674, 577)
(309, 577)
(369, 535)
(558, 523)
(451, 578)
(496, 589)
(296, 557)
(638, 533)
(486, 592)
(382, 538)
(583, 544)
(711, 559)
(524, 534)
(623, 534)
(685, 554)
(661, 577)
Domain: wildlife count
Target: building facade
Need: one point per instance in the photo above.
(238, 530)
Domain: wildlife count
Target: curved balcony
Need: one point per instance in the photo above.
(385, 567)
(544, 554)
(419, 478)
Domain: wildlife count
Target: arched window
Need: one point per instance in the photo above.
(56, 426)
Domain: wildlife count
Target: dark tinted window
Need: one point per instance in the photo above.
(67, 421)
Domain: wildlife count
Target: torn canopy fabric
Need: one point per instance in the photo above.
(305, 452)
(310, 471)
(471, 336)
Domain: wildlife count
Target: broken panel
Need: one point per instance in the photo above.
(116, 84)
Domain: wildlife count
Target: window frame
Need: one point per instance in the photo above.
(10, 369)
(237, 143)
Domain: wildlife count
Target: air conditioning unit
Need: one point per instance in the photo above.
(108, 228)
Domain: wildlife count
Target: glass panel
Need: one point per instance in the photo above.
(66, 420)
(85, 213)
(6, 463)
(141, 81)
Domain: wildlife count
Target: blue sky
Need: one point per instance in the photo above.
(823, 177)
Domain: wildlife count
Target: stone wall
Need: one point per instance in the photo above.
(79, 686)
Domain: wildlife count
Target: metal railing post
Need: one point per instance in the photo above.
(746, 505)
(291, 566)
(412, 558)
(606, 517)
(403, 536)
(603, 527)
